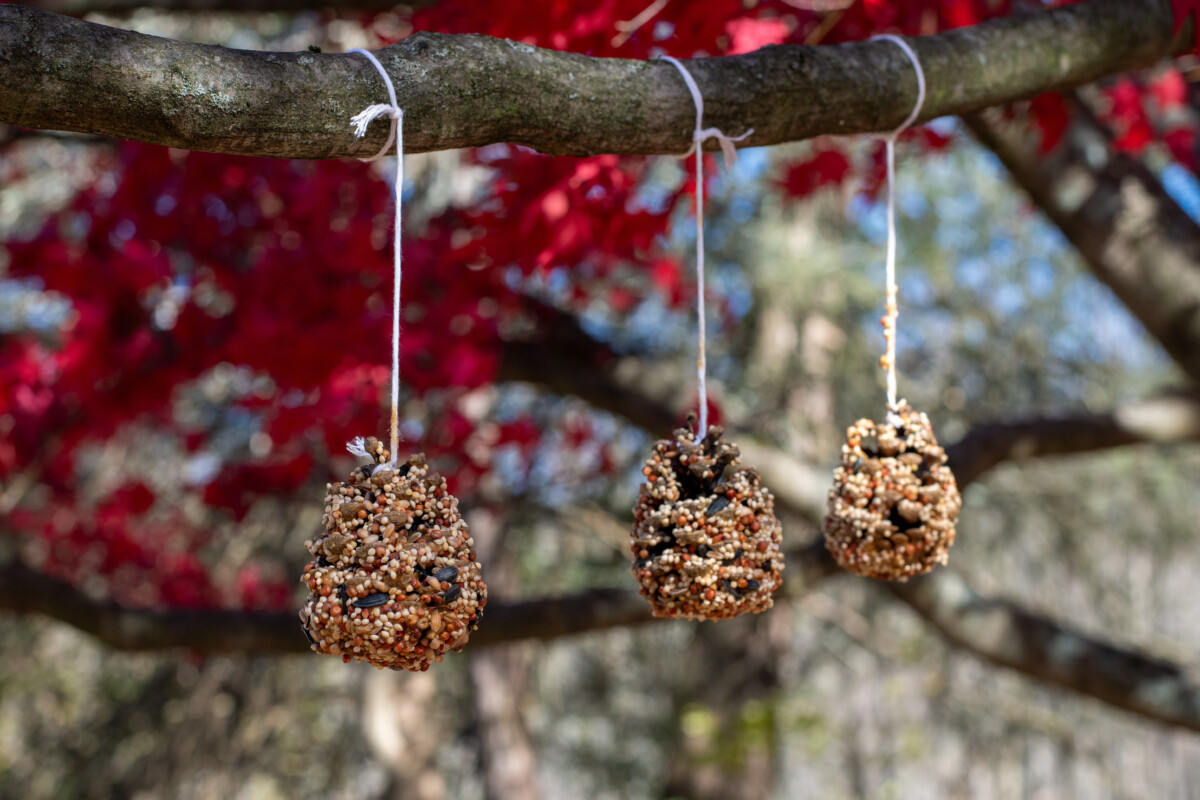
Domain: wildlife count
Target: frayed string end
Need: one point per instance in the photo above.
(363, 119)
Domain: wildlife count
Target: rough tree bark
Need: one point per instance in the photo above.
(1132, 234)
(468, 91)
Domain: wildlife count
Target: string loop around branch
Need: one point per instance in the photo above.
(888, 361)
(361, 122)
(699, 136)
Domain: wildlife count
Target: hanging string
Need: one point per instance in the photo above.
(699, 136)
(888, 360)
(361, 122)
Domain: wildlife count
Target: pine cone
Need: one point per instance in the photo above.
(705, 540)
(894, 501)
(395, 582)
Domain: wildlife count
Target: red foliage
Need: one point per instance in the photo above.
(1128, 117)
(825, 167)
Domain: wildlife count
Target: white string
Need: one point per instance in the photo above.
(892, 312)
(361, 122)
(699, 135)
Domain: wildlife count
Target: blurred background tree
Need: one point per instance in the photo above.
(188, 339)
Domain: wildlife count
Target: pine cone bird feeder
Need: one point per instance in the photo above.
(894, 501)
(705, 540)
(395, 582)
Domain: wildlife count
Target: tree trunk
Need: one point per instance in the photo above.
(500, 677)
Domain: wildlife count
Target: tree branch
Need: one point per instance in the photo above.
(1005, 634)
(1133, 236)
(563, 358)
(566, 360)
(469, 91)
(25, 591)
(1169, 418)
(995, 630)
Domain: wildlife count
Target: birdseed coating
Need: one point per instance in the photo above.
(705, 540)
(894, 501)
(395, 582)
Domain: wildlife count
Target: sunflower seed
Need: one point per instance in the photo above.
(720, 503)
(452, 593)
(446, 573)
(371, 600)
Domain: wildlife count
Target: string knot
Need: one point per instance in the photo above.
(701, 134)
(726, 142)
(363, 119)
